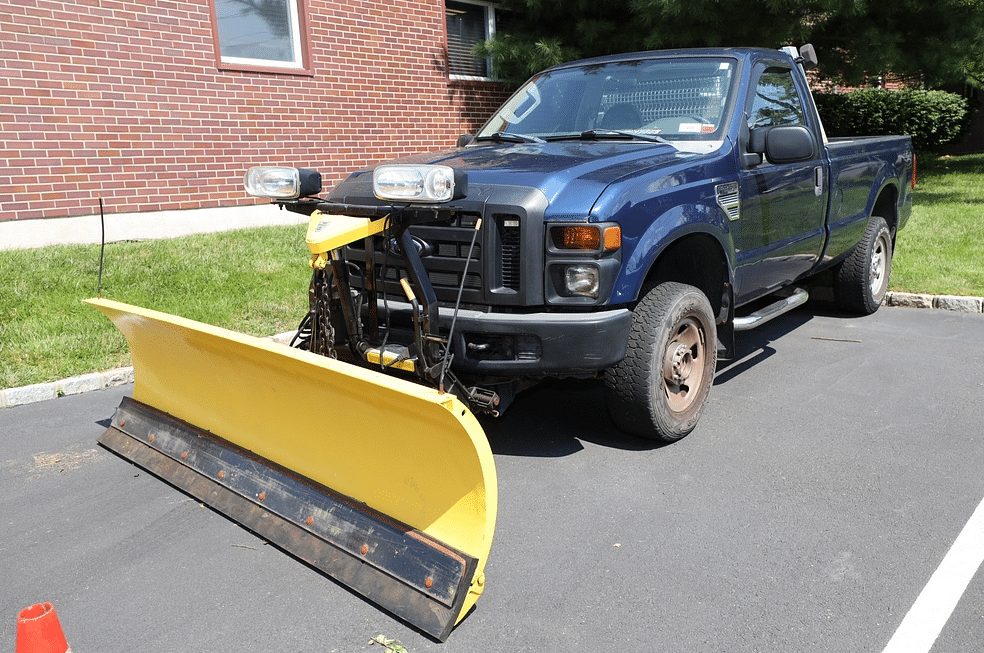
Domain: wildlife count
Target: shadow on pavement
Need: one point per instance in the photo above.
(554, 418)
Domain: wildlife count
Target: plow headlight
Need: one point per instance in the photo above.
(419, 183)
(281, 182)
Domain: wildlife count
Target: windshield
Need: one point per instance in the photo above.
(681, 98)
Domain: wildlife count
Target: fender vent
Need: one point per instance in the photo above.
(729, 199)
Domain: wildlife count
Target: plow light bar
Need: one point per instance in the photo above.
(419, 183)
(281, 182)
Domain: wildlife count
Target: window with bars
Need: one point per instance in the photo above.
(469, 23)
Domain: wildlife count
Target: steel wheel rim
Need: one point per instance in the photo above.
(878, 271)
(683, 365)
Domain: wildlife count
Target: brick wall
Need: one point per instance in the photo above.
(124, 99)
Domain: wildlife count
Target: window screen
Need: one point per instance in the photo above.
(468, 25)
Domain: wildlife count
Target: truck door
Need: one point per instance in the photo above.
(779, 232)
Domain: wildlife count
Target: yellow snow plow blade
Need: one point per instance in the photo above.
(385, 485)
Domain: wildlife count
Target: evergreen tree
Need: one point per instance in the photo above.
(941, 41)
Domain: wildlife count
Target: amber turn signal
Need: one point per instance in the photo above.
(613, 238)
(585, 237)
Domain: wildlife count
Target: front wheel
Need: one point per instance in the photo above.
(861, 280)
(658, 391)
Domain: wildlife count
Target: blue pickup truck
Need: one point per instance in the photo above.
(618, 218)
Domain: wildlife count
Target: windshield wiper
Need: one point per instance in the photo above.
(500, 137)
(594, 134)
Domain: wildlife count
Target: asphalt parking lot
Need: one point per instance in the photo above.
(837, 463)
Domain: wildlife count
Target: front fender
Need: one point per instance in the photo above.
(642, 251)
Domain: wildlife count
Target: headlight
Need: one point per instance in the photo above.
(282, 183)
(418, 183)
(582, 280)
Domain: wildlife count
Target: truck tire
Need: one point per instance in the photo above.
(658, 391)
(861, 281)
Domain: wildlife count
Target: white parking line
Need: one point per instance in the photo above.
(930, 612)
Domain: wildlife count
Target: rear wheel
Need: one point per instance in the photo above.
(658, 391)
(861, 281)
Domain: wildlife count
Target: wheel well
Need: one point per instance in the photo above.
(697, 260)
(885, 207)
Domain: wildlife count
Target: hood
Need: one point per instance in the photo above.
(570, 174)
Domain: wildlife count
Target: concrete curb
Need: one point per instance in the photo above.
(76, 385)
(101, 380)
(956, 303)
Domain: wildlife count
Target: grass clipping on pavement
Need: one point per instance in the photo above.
(252, 280)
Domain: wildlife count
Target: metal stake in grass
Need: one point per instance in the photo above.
(102, 246)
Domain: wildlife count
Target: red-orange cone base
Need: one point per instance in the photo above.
(38, 630)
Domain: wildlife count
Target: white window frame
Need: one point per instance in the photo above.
(489, 8)
(298, 40)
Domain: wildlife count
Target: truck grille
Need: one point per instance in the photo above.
(446, 245)
(507, 227)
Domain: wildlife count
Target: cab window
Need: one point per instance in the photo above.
(776, 100)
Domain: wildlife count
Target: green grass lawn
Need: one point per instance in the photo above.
(255, 280)
(941, 249)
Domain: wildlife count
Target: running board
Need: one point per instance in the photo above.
(775, 309)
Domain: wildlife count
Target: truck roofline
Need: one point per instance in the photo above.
(737, 53)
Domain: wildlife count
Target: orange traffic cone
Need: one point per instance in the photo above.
(38, 630)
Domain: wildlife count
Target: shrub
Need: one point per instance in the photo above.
(932, 118)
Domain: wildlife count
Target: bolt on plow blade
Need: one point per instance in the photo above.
(387, 486)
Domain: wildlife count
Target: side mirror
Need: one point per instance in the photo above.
(465, 139)
(783, 144)
(808, 56)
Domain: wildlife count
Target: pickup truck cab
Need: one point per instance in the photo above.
(621, 217)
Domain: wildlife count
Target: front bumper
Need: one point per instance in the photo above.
(515, 345)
